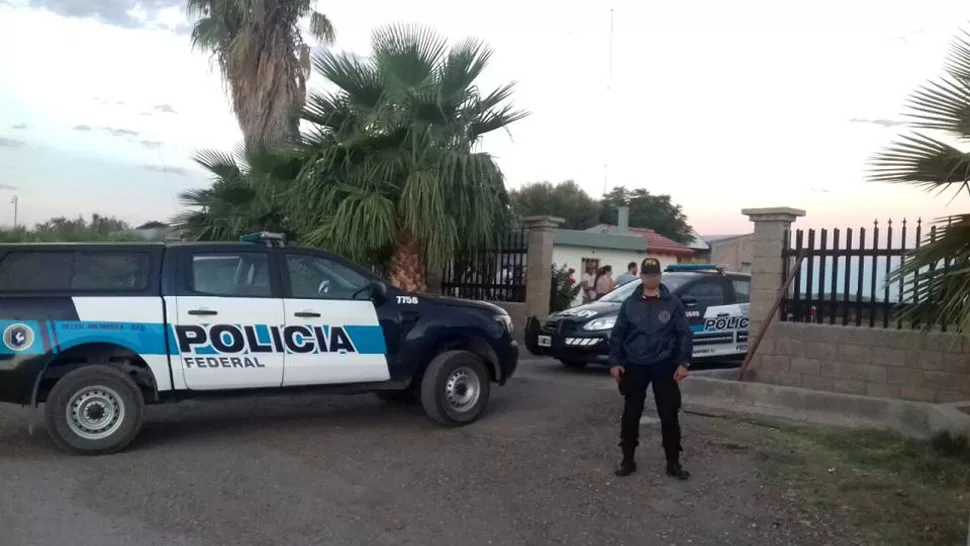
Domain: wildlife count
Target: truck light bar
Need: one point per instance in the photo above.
(269, 238)
(672, 268)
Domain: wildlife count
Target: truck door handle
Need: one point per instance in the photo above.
(203, 312)
(306, 314)
(719, 315)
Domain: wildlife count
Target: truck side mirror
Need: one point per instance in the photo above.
(378, 292)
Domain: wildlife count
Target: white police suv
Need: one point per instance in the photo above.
(717, 305)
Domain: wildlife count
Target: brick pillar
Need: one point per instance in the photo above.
(766, 261)
(538, 278)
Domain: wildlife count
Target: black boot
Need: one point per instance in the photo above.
(676, 471)
(627, 465)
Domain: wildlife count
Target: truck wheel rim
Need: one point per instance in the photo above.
(95, 413)
(463, 389)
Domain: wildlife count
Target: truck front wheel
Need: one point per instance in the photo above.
(93, 410)
(455, 388)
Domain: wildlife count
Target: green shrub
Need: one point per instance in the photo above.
(564, 288)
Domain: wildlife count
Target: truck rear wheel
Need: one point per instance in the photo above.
(93, 410)
(455, 388)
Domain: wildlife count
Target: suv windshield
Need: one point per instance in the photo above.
(671, 280)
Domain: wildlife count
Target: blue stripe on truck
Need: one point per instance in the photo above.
(142, 338)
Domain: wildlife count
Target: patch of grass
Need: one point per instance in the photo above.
(895, 490)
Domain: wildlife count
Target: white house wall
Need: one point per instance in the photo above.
(572, 256)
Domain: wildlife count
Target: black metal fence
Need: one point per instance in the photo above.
(844, 275)
(494, 274)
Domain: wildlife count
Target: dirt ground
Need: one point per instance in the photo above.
(537, 470)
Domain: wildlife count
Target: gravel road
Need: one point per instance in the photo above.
(336, 470)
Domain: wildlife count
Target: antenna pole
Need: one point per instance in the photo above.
(609, 88)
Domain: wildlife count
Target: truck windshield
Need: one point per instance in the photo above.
(671, 280)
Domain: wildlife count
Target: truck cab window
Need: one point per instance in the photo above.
(315, 277)
(742, 290)
(707, 293)
(237, 274)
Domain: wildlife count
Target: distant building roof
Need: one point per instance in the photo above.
(698, 242)
(590, 239)
(656, 243)
(713, 238)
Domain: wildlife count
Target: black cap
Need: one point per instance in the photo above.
(650, 266)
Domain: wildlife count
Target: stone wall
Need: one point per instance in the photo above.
(905, 364)
(733, 252)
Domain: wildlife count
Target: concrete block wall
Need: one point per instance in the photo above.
(889, 363)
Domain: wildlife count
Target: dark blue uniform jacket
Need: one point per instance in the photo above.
(651, 332)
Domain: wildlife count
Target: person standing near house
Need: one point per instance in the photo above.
(629, 275)
(604, 281)
(651, 342)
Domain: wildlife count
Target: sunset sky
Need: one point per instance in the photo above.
(723, 105)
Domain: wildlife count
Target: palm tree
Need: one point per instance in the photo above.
(248, 194)
(392, 166)
(263, 58)
(937, 275)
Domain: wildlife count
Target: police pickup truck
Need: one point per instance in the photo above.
(97, 331)
(717, 305)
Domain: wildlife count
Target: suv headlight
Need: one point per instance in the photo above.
(600, 324)
(506, 321)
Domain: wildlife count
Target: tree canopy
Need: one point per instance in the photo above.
(67, 230)
(388, 169)
(568, 201)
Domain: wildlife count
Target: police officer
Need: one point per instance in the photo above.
(651, 343)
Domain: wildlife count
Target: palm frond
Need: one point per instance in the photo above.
(957, 62)
(922, 161)
(936, 276)
(942, 105)
(321, 28)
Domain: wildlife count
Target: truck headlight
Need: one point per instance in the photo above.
(600, 324)
(506, 321)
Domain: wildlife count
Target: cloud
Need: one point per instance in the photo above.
(82, 127)
(881, 122)
(11, 143)
(19, 126)
(118, 13)
(150, 144)
(164, 108)
(164, 169)
(121, 132)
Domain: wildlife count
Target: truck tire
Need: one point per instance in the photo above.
(455, 388)
(94, 410)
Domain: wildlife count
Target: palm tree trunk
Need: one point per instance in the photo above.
(266, 93)
(407, 269)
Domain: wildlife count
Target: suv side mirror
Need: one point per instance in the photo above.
(377, 291)
(688, 301)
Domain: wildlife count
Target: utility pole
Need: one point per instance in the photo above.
(609, 102)
(13, 201)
